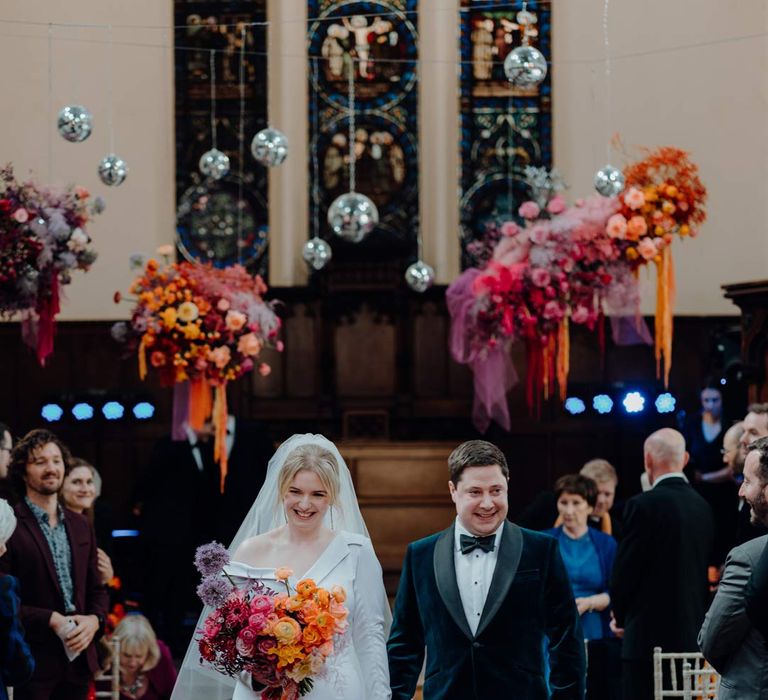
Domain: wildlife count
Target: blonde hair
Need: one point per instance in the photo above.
(599, 470)
(136, 634)
(315, 459)
(7, 521)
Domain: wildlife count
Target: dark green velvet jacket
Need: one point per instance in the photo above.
(529, 615)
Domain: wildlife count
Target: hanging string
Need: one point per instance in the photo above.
(213, 97)
(351, 104)
(111, 75)
(268, 30)
(49, 111)
(608, 105)
(315, 164)
(241, 149)
(510, 149)
(419, 237)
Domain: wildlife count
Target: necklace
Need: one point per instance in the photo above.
(135, 687)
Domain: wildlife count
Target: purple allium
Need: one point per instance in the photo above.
(213, 590)
(211, 558)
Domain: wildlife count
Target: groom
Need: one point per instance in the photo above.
(485, 598)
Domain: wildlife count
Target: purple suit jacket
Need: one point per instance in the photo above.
(29, 559)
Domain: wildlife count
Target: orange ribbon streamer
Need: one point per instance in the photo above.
(220, 426)
(142, 359)
(665, 301)
(563, 357)
(199, 403)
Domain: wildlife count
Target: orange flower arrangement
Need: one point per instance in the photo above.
(663, 198)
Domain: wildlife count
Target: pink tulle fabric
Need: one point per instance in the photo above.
(493, 370)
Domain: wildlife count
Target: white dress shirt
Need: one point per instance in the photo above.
(474, 572)
(228, 443)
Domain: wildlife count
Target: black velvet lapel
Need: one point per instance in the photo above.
(445, 577)
(510, 550)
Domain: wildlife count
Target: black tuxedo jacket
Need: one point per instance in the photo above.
(529, 608)
(29, 559)
(659, 589)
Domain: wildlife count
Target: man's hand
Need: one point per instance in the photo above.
(57, 621)
(106, 572)
(87, 626)
(618, 631)
(583, 604)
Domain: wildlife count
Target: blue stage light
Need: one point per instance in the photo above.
(633, 402)
(602, 403)
(51, 412)
(82, 411)
(113, 410)
(665, 403)
(144, 410)
(574, 405)
(723, 381)
(124, 533)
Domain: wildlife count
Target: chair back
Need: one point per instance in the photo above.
(669, 676)
(111, 675)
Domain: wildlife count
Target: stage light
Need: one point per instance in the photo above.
(124, 533)
(143, 410)
(113, 410)
(82, 411)
(602, 403)
(665, 403)
(52, 412)
(723, 381)
(633, 402)
(574, 405)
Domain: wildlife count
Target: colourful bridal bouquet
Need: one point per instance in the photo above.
(281, 639)
(43, 239)
(199, 327)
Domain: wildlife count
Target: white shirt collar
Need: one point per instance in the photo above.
(670, 475)
(460, 530)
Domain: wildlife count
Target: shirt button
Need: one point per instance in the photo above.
(478, 614)
(476, 645)
(475, 582)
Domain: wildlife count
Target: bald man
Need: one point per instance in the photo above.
(659, 589)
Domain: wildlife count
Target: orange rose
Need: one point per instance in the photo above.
(636, 227)
(322, 597)
(293, 603)
(249, 344)
(306, 587)
(338, 593)
(311, 636)
(283, 573)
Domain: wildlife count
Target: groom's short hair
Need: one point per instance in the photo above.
(475, 453)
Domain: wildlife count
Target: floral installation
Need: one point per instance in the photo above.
(558, 265)
(664, 198)
(282, 639)
(43, 239)
(198, 327)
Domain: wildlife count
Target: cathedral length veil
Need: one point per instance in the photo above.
(200, 682)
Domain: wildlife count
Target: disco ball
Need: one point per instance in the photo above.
(214, 164)
(112, 170)
(420, 276)
(609, 181)
(269, 147)
(75, 123)
(525, 66)
(317, 253)
(352, 216)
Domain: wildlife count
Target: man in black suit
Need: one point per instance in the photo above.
(659, 587)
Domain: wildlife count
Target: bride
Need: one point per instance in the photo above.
(306, 519)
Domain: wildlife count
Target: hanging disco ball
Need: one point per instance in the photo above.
(609, 181)
(214, 164)
(525, 66)
(420, 276)
(75, 123)
(317, 253)
(352, 216)
(269, 147)
(112, 170)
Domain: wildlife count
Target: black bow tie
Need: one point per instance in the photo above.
(469, 543)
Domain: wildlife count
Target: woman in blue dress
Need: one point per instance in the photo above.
(588, 555)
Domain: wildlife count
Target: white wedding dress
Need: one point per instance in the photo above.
(358, 668)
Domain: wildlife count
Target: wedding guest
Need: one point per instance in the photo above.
(6, 446)
(146, 664)
(16, 661)
(659, 588)
(78, 493)
(53, 554)
(588, 555)
(703, 439)
(755, 426)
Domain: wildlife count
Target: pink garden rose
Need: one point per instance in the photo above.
(617, 226)
(220, 356)
(264, 369)
(634, 198)
(529, 210)
(556, 205)
(249, 344)
(580, 314)
(21, 215)
(223, 305)
(509, 228)
(553, 311)
(647, 248)
(235, 320)
(540, 277)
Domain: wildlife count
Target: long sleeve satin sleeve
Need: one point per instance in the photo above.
(370, 624)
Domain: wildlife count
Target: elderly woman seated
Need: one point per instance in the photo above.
(146, 666)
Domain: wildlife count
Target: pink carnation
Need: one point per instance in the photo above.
(556, 205)
(616, 226)
(634, 198)
(647, 248)
(529, 210)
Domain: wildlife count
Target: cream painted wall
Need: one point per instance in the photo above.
(710, 100)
